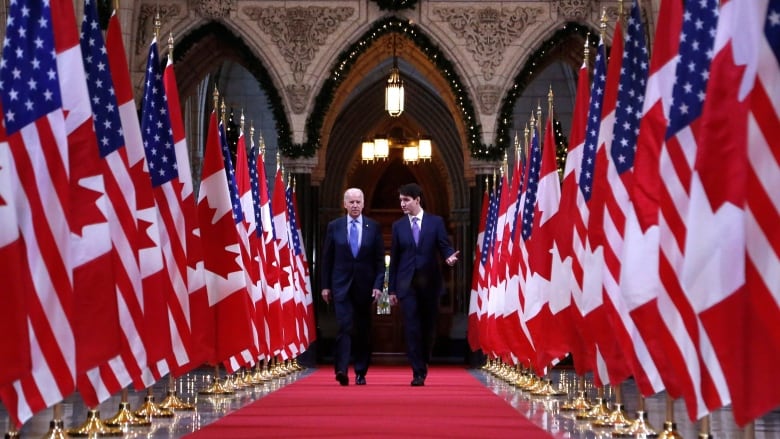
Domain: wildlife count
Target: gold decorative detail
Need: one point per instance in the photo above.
(146, 16)
(94, 427)
(125, 418)
(299, 32)
(488, 31)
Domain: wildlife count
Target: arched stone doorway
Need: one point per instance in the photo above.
(444, 180)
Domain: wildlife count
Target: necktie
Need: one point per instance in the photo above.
(353, 237)
(415, 230)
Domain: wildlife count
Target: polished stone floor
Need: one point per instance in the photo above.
(549, 412)
(207, 408)
(544, 411)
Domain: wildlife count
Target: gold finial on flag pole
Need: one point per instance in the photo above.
(586, 54)
(157, 24)
(170, 46)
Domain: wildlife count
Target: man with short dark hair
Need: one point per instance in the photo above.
(419, 239)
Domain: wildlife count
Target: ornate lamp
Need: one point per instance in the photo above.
(381, 147)
(368, 150)
(425, 150)
(411, 154)
(394, 91)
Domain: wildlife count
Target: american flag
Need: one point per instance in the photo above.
(159, 146)
(614, 367)
(192, 317)
(519, 341)
(271, 269)
(246, 229)
(582, 217)
(235, 198)
(256, 240)
(99, 384)
(475, 301)
(675, 166)
(615, 190)
(532, 291)
(497, 273)
(282, 232)
(301, 270)
(487, 332)
(155, 124)
(734, 207)
(46, 128)
(532, 183)
(481, 270)
(640, 280)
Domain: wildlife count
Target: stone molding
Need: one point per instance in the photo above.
(299, 32)
(488, 31)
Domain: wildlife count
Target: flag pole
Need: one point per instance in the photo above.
(670, 427)
(704, 428)
(172, 400)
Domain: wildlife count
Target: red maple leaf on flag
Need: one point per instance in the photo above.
(88, 212)
(224, 260)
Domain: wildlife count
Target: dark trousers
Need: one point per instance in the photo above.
(420, 311)
(353, 316)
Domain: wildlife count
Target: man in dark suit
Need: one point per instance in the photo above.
(419, 240)
(353, 271)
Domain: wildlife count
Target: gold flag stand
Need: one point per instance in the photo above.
(599, 410)
(580, 403)
(56, 426)
(172, 400)
(640, 427)
(216, 387)
(617, 418)
(124, 417)
(150, 410)
(94, 427)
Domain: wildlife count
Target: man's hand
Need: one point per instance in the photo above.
(376, 294)
(393, 299)
(326, 295)
(453, 258)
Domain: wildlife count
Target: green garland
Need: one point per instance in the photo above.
(561, 145)
(255, 67)
(395, 5)
(526, 75)
(347, 60)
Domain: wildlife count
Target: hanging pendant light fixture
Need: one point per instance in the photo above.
(394, 91)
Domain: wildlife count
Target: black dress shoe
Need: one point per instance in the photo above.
(360, 380)
(342, 378)
(418, 381)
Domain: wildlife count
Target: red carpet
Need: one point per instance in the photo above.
(452, 404)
